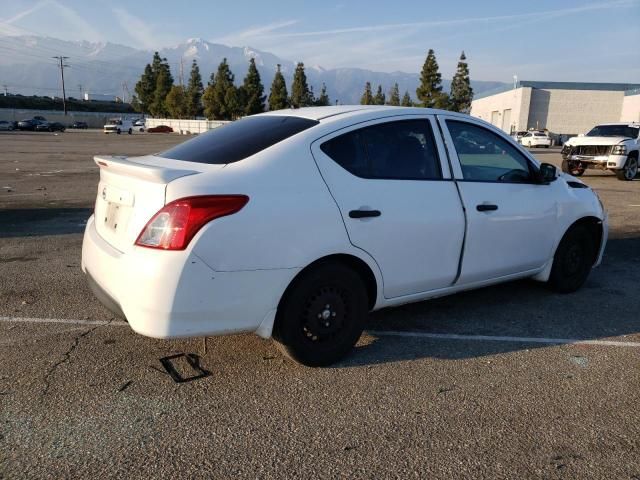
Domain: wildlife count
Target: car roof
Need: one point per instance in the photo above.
(339, 112)
(634, 124)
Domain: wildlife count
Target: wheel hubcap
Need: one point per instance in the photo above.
(573, 260)
(324, 314)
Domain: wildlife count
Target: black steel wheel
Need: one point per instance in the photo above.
(573, 260)
(322, 315)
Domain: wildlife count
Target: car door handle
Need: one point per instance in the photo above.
(486, 207)
(364, 213)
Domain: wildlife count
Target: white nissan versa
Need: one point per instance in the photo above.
(297, 223)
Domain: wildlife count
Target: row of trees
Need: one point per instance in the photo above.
(221, 99)
(429, 92)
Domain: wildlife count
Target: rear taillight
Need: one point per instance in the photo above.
(173, 227)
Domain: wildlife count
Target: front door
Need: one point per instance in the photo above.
(511, 216)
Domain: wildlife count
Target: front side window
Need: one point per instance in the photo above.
(400, 150)
(486, 157)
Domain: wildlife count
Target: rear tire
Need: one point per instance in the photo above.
(130, 131)
(630, 169)
(322, 315)
(573, 260)
(118, 131)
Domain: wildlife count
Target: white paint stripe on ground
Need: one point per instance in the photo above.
(378, 333)
(499, 338)
(115, 323)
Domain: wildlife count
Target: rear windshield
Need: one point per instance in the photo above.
(614, 131)
(238, 140)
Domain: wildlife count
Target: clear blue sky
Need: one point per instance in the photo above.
(587, 40)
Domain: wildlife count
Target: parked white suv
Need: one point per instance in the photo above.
(297, 223)
(611, 146)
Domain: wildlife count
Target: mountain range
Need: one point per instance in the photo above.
(27, 67)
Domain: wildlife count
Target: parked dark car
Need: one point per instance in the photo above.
(4, 125)
(160, 129)
(79, 125)
(29, 124)
(50, 127)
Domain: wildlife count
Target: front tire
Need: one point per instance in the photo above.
(573, 260)
(118, 132)
(572, 168)
(630, 169)
(322, 315)
(130, 131)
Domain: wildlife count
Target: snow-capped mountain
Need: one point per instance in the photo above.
(27, 68)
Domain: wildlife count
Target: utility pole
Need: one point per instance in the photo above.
(62, 67)
(5, 89)
(182, 71)
(81, 94)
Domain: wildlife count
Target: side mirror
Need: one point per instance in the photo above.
(548, 173)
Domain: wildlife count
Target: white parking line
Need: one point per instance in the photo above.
(115, 323)
(500, 338)
(377, 333)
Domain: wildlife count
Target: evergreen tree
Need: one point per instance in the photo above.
(406, 100)
(144, 89)
(194, 92)
(208, 97)
(323, 99)
(252, 94)
(379, 98)
(301, 95)
(164, 82)
(461, 91)
(136, 105)
(394, 96)
(367, 96)
(177, 102)
(429, 92)
(278, 94)
(220, 98)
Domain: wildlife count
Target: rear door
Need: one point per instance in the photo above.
(398, 202)
(510, 215)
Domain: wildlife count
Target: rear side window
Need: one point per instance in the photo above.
(238, 140)
(401, 150)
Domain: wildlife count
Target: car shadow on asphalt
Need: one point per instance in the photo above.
(606, 306)
(33, 222)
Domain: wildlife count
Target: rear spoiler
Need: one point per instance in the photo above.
(150, 173)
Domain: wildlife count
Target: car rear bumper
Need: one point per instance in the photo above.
(171, 294)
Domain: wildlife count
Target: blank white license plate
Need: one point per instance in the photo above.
(112, 217)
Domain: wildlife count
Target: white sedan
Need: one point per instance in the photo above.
(295, 224)
(536, 139)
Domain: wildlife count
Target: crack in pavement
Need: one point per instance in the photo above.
(66, 357)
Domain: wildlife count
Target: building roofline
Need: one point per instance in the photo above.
(627, 88)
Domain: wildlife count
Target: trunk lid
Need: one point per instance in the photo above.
(130, 192)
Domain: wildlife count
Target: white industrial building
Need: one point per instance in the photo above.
(563, 108)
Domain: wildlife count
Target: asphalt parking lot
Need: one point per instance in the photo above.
(511, 381)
